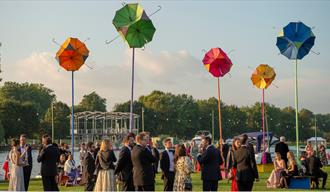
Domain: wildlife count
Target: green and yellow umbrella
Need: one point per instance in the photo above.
(135, 27)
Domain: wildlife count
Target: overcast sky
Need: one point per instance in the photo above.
(172, 61)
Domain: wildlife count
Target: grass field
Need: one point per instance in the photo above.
(36, 184)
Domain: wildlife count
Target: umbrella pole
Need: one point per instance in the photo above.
(263, 126)
(296, 106)
(72, 116)
(219, 111)
(131, 120)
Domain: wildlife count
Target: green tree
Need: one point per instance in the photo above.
(92, 102)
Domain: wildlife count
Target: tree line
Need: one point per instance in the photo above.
(27, 108)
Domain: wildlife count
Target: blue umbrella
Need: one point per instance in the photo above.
(294, 42)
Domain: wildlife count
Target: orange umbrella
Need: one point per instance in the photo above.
(71, 56)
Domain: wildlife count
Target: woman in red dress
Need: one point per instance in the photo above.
(230, 163)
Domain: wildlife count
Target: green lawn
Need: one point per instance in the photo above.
(36, 184)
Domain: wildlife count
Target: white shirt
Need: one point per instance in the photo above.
(171, 158)
(69, 166)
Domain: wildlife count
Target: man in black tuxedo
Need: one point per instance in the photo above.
(48, 156)
(88, 164)
(142, 159)
(283, 149)
(167, 165)
(124, 168)
(210, 160)
(245, 163)
(27, 167)
(314, 168)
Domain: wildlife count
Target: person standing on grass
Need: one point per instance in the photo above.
(124, 168)
(88, 165)
(236, 144)
(283, 149)
(16, 181)
(142, 160)
(183, 169)
(48, 157)
(27, 160)
(167, 165)
(210, 160)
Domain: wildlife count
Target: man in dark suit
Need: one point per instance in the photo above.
(88, 164)
(210, 161)
(167, 165)
(283, 149)
(246, 166)
(314, 168)
(48, 156)
(142, 159)
(27, 167)
(124, 168)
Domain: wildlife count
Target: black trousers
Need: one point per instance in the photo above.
(210, 185)
(49, 183)
(324, 177)
(89, 186)
(169, 181)
(27, 174)
(245, 185)
(128, 185)
(145, 188)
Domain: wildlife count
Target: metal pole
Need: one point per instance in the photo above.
(219, 111)
(316, 136)
(212, 125)
(142, 119)
(131, 123)
(72, 116)
(263, 126)
(53, 121)
(296, 106)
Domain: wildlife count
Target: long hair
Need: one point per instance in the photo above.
(233, 146)
(105, 145)
(291, 158)
(180, 151)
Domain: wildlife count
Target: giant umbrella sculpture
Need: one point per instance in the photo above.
(71, 56)
(294, 42)
(135, 27)
(262, 77)
(218, 64)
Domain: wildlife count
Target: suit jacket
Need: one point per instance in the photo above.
(124, 168)
(314, 166)
(29, 153)
(283, 149)
(245, 163)
(165, 162)
(142, 160)
(88, 167)
(210, 161)
(48, 157)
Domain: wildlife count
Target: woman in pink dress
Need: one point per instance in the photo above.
(274, 178)
(230, 163)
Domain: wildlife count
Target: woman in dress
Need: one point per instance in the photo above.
(193, 153)
(274, 178)
(323, 155)
(105, 159)
(16, 182)
(230, 163)
(70, 168)
(291, 171)
(183, 169)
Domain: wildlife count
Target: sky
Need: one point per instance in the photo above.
(172, 61)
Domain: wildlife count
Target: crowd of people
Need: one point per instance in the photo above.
(136, 166)
(286, 166)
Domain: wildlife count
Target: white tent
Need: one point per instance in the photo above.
(319, 140)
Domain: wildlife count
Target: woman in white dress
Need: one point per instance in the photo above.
(16, 182)
(105, 159)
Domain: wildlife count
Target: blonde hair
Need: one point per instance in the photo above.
(105, 145)
(291, 158)
(278, 156)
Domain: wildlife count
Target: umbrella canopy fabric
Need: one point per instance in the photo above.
(133, 24)
(263, 76)
(295, 40)
(72, 54)
(217, 62)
